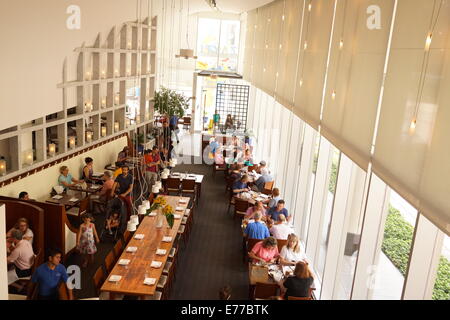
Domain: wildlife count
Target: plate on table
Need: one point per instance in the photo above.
(96, 187)
(73, 200)
(131, 249)
(152, 214)
(183, 201)
(149, 281)
(177, 216)
(139, 236)
(124, 262)
(115, 278)
(175, 174)
(161, 252)
(179, 209)
(167, 239)
(57, 197)
(156, 264)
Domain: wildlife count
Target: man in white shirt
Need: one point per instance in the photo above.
(281, 230)
(22, 256)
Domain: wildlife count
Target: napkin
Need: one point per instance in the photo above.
(177, 216)
(149, 281)
(167, 239)
(152, 214)
(161, 252)
(131, 249)
(183, 201)
(156, 264)
(114, 278)
(95, 186)
(139, 236)
(124, 262)
(57, 197)
(73, 199)
(179, 209)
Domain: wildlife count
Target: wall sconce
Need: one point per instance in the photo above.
(51, 149)
(88, 75)
(129, 45)
(29, 157)
(2, 166)
(88, 107)
(72, 142)
(116, 72)
(116, 99)
(103, 131)
(103, 74)
(103, 102)
(116, 126)
(341, 44)
(333, 95)
(88, 136)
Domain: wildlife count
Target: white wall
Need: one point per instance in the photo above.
(35, 41)
(39, 185)
(3, 264)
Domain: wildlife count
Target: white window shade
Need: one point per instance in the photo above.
(272, 46)
(355, 75)
(260, 47)
(416, 164)
(252, 17)
(312, 67)
(287, 63)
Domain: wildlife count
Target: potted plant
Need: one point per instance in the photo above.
(171, 103)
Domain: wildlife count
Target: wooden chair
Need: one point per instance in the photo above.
(63, 292)
(186, 123)
(100, 203)
(188, 187)
(109, 262)
(219, 168)
(118, 249)
(127, 236)
(98, 279)
(268, 186)
(281, 244)
(81, 209)
(240, 208)
(173, 185)
(251, 243)
(265, 290)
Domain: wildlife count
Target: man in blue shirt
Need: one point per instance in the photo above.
(49, 275)
(257, 230)
(274, 212)
(241, 185)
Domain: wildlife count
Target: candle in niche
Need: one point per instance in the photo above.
(103, 74)
(72, 142)
(103, 102)
(2, 167)
(29, 157)
(88, 136)
(116, 126)
(116, 99)
(88, 75)
(103, 131)
(116, 73)
(51, 149)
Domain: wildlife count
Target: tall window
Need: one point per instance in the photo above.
(218, 44)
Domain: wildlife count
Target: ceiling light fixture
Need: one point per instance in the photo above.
(187, 53)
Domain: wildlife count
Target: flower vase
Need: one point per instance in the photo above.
(160, 219)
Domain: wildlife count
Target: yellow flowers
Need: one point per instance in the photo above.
(168, 209)
(160, 201)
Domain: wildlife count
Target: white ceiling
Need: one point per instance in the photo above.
(231, 6)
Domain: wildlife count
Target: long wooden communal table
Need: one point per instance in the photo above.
(133, 275)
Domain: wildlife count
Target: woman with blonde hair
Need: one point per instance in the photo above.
(66, 179)
(291, 253)
(299, 284)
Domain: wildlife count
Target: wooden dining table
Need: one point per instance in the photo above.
(133, 275)
(90, 188)
(66, 199)
(198, 179)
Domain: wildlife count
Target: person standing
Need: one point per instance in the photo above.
(123, 186)
(152, 162)
(86, 239)
(88, 170)
(49, 275)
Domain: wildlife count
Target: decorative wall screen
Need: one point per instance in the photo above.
(232, 99)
